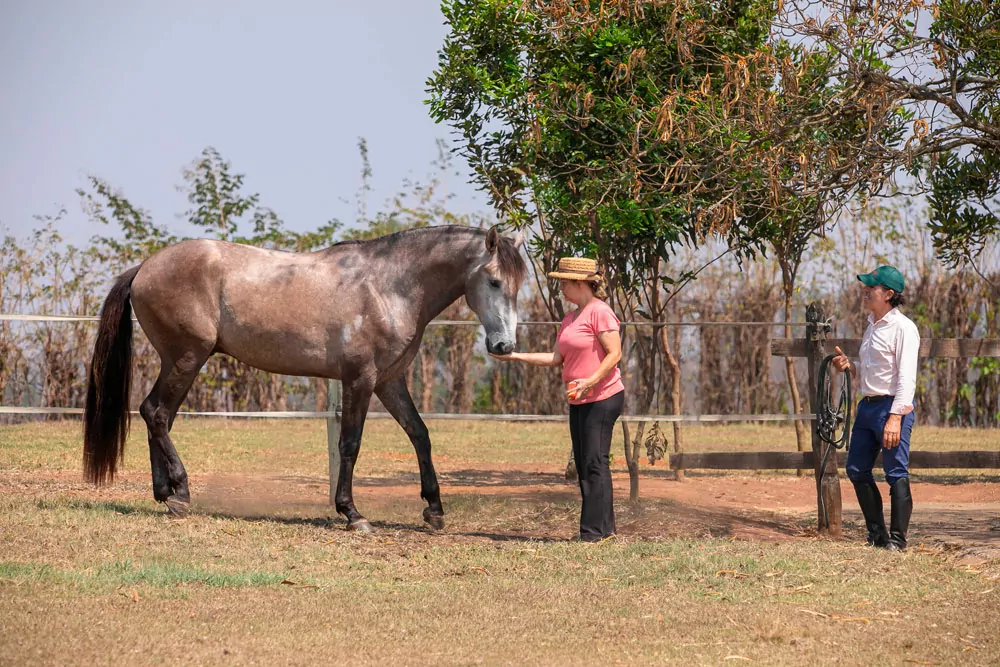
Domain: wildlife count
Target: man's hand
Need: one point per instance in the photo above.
(890, 435)
(841, 362)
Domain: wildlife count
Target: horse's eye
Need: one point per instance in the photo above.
(495, 284)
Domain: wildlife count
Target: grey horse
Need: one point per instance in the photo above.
(355, 311)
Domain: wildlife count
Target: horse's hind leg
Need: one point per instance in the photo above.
(397, 400)
(170, 483)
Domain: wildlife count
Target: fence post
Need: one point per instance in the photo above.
(333, 404)
(827, 483)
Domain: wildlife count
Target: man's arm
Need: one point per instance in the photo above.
(907, 357)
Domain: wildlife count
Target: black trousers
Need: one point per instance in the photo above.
(590, 427)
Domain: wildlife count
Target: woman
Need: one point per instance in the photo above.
(588, 347)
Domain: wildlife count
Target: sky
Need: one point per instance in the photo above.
(132, 92)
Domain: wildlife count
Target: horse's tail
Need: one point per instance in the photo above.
(106, 417)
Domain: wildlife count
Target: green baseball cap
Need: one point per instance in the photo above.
(886, 276)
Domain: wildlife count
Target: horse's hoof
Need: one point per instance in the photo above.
(177, 507)
(361, 525)
(435, 521)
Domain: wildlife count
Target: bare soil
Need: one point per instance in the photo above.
(962, 516)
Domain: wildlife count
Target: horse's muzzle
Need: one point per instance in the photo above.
(502, 347)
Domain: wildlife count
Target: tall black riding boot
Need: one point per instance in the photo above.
(902, 506)
(871, 506)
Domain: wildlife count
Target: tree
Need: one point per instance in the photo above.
(625, 130)
(925, 76)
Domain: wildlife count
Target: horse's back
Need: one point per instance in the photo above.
(279, 311)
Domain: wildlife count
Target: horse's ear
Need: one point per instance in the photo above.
(518, 239)
(492, 240)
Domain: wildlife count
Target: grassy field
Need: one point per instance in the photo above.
(91, 577)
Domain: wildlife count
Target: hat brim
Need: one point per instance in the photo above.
(868, 279)
(574, 276)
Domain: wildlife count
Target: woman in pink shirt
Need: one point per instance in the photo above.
(588, 347)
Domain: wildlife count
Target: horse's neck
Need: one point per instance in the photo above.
(438, 268)
(442, 272)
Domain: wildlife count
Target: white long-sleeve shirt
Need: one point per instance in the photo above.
(888, 360)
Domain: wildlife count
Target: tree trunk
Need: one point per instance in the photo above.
(675, 395)
(788, 272)
(320, 386)
(632, 460)
(801, 437)
(428, 355)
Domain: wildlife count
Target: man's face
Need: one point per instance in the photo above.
(873, 298)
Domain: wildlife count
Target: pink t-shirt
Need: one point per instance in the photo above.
(583, 353)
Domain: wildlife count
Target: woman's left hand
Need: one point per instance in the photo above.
(579, 388)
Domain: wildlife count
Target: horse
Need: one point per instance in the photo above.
(355, 312)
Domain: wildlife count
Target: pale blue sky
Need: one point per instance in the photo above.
(133, 91)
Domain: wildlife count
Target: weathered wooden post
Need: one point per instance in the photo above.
(333, 434)
(828, 480)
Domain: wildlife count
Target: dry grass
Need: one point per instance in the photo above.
(294, 446)
(102, 577)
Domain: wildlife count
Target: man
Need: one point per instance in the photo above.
(888, 376)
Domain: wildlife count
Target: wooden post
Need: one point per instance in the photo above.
(333, 404)
(827, 484)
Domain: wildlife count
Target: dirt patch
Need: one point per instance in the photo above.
(962, 518)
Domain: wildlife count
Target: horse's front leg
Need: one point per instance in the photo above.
(397, 400)
(357, 395)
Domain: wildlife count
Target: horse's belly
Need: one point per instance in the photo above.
(282, 352)
(279, 340)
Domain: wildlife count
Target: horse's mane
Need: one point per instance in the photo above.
(509, 263)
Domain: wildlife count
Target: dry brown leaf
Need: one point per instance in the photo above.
(734, 573)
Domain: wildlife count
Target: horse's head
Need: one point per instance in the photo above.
(491, 290)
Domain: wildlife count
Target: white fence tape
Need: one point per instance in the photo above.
(94, 318)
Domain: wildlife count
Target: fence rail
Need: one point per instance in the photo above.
(452, 416)
(805, 460)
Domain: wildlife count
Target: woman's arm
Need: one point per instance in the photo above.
(552, 358)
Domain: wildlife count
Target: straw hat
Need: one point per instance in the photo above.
(576, 268)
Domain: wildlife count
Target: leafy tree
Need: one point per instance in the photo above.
(923, 75)
(625, 130)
